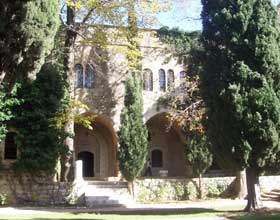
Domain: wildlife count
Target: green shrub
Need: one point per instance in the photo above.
(166, 192)
(180, 192)
(215, 189)
(191, 191)
(3, 199)
(144, 195)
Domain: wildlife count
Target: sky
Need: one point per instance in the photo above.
(186, 16)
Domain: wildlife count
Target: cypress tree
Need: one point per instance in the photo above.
(133, 133)
(240, 85)
(27, 30)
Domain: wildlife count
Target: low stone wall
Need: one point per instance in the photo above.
(268, 183)
(166, 189)
(42, 191)
(34, 191)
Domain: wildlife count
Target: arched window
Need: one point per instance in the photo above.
(148, 80)
(149, 136)
(79, 76)
(170, 79)
(162, 81)
(89, 76)
(183, 76)
(10, 146)
(156, 158)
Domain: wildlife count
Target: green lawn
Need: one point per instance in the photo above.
(126, 215)
(232, 212)
(258, 217)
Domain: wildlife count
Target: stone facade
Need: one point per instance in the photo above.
(105, 98)
(103, 93)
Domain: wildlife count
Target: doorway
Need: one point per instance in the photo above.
(88, 163)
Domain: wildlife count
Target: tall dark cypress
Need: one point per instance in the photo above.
(133, 133)
(132, 152)
(27, 31)
(240, 85)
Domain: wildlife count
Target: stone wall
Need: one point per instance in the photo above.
(158, 190)
(25, 190)
(268, 183)
(42, 191)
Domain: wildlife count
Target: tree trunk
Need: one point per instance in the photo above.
(253, 187)
(2, 76)
(238, 187)
(200, 193)
(67, 161)
(131, 188)
(241, 187)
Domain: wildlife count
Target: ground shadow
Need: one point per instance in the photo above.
(160, 211)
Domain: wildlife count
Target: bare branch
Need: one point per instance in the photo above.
(87, 16)
(61, 13)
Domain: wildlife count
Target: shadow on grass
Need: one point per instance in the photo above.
(261, 214)
(157, 211)
(256, 217)
(120, 213)
(134, 213)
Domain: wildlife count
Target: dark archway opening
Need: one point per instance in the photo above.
(157, 158)
(88, 163)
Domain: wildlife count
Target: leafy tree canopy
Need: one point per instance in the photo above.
(240, 82)
(39, 139)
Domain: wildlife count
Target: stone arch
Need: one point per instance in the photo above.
(100, 141)
(151, 112)
(168, 140)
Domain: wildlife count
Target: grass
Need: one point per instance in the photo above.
(125, 215)
(256, 217)
(230, 211)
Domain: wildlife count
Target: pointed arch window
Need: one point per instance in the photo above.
(89, 76)
(162, 80)
(183, 76)
(170, 80)
(157, 158)
(79, 76)
(10, 151)
(148, 80)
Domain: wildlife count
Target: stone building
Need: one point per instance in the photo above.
(99, 83)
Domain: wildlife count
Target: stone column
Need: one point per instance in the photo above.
(79, 171)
